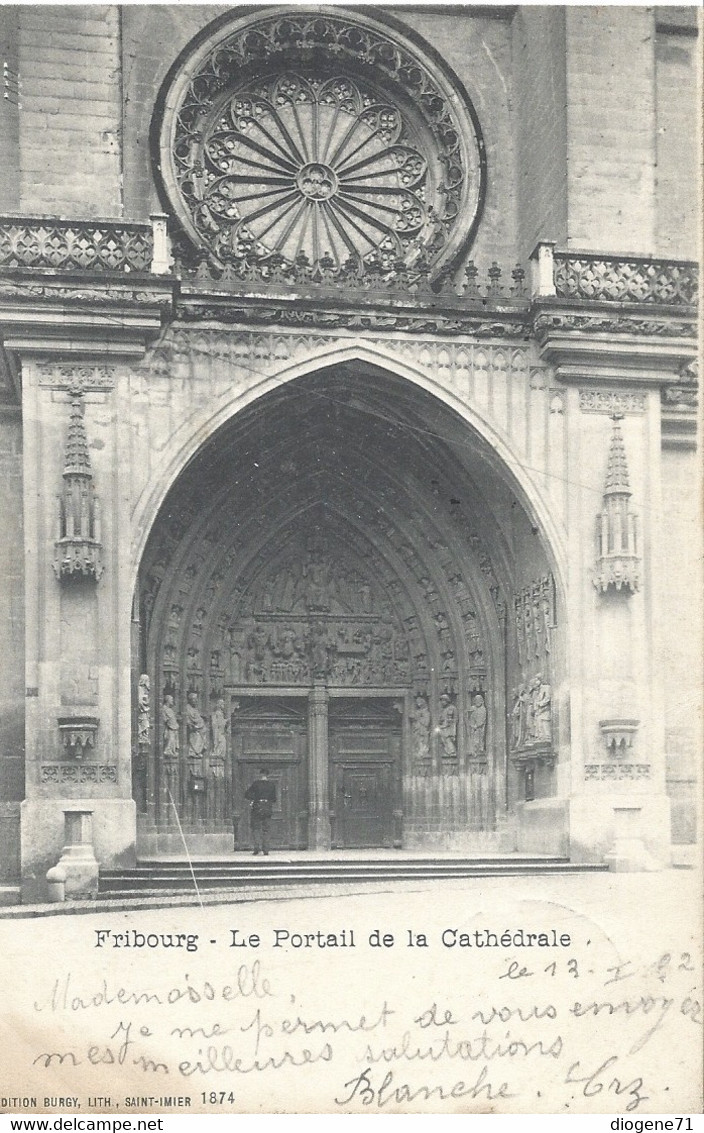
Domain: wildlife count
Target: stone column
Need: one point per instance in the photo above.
(318, 778)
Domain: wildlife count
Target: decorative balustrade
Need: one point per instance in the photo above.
(121, 247)
(112, 246)
(353, 276)
(632, 279)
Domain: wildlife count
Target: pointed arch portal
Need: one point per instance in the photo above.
(329, 591)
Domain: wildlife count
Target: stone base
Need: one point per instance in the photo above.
(319, 833)
(595, 830)
(452, 841)
(43, 837)
(543, 828)
(9, 843)
(81, 873)
(199, 842)
(629, 855)
(585, 828)
(686, 856)
(507, 833)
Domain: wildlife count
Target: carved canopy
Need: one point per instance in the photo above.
(318, 138)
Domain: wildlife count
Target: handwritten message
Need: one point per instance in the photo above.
(375, 1016)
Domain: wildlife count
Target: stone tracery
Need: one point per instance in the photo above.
(301, 167)
(319, 140)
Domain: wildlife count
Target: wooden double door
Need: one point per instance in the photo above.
(352, 766)
(364, 741)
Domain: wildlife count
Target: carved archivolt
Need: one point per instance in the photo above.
(318, 137)
(332, 544)
(342, 595)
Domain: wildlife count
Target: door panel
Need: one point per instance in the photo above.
(364, 753)
(364, 805)
(271, 736)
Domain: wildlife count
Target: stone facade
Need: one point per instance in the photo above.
(357, 440)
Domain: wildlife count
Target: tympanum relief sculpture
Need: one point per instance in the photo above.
(315, 618)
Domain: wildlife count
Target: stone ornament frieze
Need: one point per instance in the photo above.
(615, 771)
(611, 401)
(306, 632)
(313, 617)
(72, 773)
(69, 378)
(318, 133)
(682, 399)
(186, 345)
(683, 395)
(622, 324)
(408, 322)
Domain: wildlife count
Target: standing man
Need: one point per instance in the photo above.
(261, 795)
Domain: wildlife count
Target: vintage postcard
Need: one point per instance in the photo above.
(350, 725)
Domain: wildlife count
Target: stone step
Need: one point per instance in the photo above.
(158, 877)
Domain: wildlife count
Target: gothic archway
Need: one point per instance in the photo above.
(327, 591)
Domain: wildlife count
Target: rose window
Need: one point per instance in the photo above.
(303, 166)
(318, 139)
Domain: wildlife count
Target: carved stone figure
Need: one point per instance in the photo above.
(140, 753)
(175, 618)
(542, 710)
(319, 649)
(143, 711)
(447, 727)
(169, 721)
(515, 715)
(216, 761)
(538, 621)
(477, 725)
(237, 640)
(316, 571)
(522, 717)
(218, 731)
(196, 746)
(286, 643)
(196, 734)
(528, 623)
(547, 604)
(259, 654)
(420, 729)
(528, 713)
